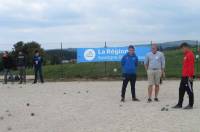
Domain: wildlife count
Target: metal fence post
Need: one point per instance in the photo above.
(197, 58)
(105, 46)
(61, 55)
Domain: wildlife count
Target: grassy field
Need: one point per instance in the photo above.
(106, 70)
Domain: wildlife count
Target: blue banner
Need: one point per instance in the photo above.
(110, 54)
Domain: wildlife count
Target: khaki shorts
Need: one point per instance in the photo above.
(154, 77)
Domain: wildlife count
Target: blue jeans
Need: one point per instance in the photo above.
(38, 70)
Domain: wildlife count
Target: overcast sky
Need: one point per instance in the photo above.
(78, 23)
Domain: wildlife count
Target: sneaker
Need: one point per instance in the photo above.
(149, 100)
(122, 100)
(177, 106)
(156, 99)
(188, 107)
(135, 99)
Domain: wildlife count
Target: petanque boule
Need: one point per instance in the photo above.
(32, 114)
(28, 104)
(1, 118)
(9, 128)
(163, 109)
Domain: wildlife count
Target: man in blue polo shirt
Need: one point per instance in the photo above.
(129, 65)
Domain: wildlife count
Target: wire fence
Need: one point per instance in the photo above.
(110, 70)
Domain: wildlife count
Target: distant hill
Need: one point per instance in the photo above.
(176, 44)
(55, 56)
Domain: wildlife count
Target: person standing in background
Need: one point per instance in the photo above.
(188, 72)
(129, 65)
(21, 66)
(154, 65)
(37, 62)
(7, 65)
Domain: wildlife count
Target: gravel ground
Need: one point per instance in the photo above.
(94, 107)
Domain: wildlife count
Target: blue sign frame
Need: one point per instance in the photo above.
(110, 54)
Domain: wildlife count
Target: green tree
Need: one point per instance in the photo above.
(28, 49)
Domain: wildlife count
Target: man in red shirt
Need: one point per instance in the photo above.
(186, 84)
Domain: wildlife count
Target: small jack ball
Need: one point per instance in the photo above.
(115, 69)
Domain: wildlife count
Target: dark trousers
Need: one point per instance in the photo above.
(186, 86)
(126, 79)
(38, 70)
(22, 74)
(6, 73)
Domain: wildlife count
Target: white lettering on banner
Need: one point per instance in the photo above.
(116, 51)
(111, 51)
(107, 57)
(101, 52)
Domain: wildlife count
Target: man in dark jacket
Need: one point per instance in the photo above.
(37, 62)
(7, 65)
(129, 65)
(188, 73)
(21, 66)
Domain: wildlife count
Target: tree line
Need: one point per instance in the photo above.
(51, 57)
